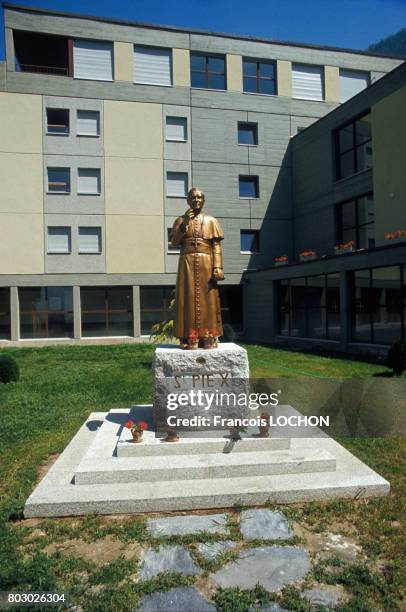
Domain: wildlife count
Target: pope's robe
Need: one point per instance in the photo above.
(197, 303)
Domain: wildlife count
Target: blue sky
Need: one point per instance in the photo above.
(340, 23)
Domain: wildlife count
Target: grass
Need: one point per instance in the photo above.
(60, 386)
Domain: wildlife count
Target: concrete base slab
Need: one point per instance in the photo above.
(58, 495)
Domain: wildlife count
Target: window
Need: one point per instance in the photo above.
(42, 53)
(248, 186)
(259, 77)
(249, 241)
(5, 321)
(355, 221)
(155, 302)
(88, 123)
(177, 184)
(89, 181)
(46, 312)
(59, 240)
(353, 143)
(208, 71)
(58, 180)
(377, 306)
(176, 129)
(171, 248)
(352, 82)
(309, 307)
(57, 121)
(106, 311)
(248, 134)
(153, 66)
(307, 82)
(93, 59)
(90, 240)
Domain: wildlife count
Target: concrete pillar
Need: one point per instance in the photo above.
(123, 61)
(10, 53)
(181, 67)
(14, 314)
(332, 83)
(136, 311)
(77, 314)
(234, 72)
(345, 310)
(284, 77)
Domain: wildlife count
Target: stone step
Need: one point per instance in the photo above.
(200, 466)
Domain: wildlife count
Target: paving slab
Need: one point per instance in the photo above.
(212, 550)
(167, 559)
(264, 524)
(271, 607)
(187, 524)
(273, 567)
(325, 597)
(179, 599)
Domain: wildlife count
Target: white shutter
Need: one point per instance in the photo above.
(59, 240)
(176, 184)
(89, 240)
(88, 123)
(176, 128)
(307, 82)
(93, 59)
(152, 66)
(351, 83)
(89, 180)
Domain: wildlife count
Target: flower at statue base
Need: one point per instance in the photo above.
(193, 339)
(137, 429)
(210, 338)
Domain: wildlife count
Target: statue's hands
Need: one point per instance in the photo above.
(189, 214)
(218, 274)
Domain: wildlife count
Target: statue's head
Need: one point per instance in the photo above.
(195, 199)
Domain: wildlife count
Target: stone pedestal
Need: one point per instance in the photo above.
(196, 381)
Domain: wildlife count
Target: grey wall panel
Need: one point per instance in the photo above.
(75, 262)
(297, 122)
(2, 76)
(273, 139)
(220, 184)
(90, 28)
(177, 150)
(258, 309)
(322, 239)
(356, 185)
(72, 144)
(220, 44)
(74, 202)
(275, 199)
(215, 136)
(24, 82)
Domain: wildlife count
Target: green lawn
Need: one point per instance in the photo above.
(60, 386)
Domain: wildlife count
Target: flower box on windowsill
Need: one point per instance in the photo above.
(307, 257)
(281, 263)
(343, 250)
(396, 240)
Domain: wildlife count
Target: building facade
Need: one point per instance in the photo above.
(104, 127)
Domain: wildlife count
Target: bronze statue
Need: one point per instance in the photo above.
(197, 303)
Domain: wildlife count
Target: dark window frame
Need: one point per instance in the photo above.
(67, 183)
(65, 127)
(252, 178)
(168, 294)
(208, 73)
(247, 124)
(354, 146)
(106, 310)
(45, 311)
(357, 227)
(258, 78)
(257, 241)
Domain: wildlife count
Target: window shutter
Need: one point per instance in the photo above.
(88, 123)
(307, 82)
(176, 128)
(176, 184)
(93, 59)
(89, 180)
(89, 240)
(351, 83)
(59, 240)
(152, 66)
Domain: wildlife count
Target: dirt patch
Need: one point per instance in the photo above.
(206, 586)
(329, 544)
(101, 551)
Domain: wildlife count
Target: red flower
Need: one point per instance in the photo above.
(215, 332)
(143, 425)
(128, 424)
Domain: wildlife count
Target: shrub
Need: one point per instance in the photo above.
(9, 370)
(397, 357)
(228, 333)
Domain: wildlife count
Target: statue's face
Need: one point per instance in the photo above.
(196, 200)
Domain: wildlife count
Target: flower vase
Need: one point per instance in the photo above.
(264, 429)
(209, 343)
(193, 344)
(137, 436)
(171, 436)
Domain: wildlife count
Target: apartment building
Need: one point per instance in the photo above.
(106, 124)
